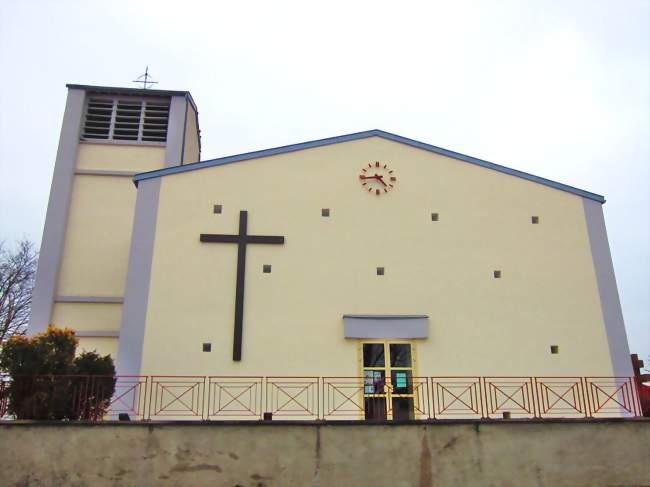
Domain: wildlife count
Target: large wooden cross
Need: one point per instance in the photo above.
(242, 239)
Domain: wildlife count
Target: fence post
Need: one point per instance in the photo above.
(203, 408)
(535, 403)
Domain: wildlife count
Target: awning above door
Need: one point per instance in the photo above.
(386, 326)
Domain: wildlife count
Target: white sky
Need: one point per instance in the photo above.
(559, 89)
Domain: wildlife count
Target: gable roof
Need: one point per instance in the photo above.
(363, 135)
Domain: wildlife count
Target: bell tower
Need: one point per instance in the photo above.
(108, 135)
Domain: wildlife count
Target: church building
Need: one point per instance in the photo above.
(368, 255)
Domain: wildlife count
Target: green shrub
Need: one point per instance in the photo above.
(49, 382)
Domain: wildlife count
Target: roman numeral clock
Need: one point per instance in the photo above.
(377, 178)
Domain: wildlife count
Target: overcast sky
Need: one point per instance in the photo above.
(559, 89)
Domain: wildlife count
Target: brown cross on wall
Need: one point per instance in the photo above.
(241, 239)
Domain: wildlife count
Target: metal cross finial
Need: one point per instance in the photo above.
(147, 79)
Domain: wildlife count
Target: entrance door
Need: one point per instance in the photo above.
(388, 380)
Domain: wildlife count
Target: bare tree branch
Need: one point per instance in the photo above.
(17, 272)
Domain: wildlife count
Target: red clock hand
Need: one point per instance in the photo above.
(380, 179)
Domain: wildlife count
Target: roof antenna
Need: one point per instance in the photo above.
(147, 79)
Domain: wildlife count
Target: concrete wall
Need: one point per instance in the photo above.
(266, 455)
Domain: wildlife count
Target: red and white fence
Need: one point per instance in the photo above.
(348, 398)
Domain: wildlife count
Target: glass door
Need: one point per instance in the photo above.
(388, 380)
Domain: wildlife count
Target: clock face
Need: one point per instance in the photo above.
(377, 178)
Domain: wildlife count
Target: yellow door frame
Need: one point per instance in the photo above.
(387, 369)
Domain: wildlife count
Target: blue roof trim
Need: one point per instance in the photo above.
(363, 135)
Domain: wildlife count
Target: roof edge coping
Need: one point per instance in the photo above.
(362, 135)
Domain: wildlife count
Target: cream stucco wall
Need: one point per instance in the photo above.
(84, 317)
(98, 238)
(108, 156)
(101, 345)
(96, 251)
(293, 316)
(191, 141)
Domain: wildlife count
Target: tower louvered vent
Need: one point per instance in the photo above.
(129, 119)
